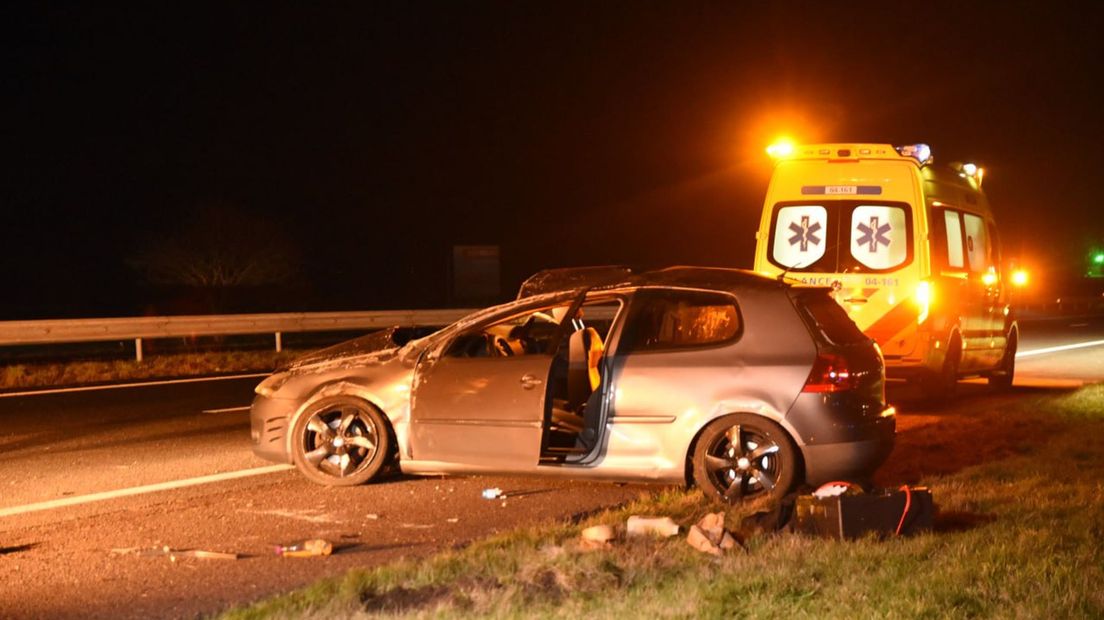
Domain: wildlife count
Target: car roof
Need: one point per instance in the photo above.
(617, 276)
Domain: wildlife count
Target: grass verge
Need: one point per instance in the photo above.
(64, 374)
(1019, 536)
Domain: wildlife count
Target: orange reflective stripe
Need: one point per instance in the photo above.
(884, 329)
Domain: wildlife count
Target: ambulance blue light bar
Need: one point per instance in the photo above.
(920, 152)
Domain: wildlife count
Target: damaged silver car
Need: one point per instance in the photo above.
(739, 383)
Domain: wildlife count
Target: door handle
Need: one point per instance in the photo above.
(529, 381)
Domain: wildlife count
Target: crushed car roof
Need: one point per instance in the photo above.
(616, 276)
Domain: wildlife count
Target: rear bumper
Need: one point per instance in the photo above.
(840, 436)
(855, 460)
(268, 420)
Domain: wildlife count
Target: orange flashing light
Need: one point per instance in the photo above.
(782, 148)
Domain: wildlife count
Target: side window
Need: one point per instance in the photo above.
(599, 314)
(664, 320)
(952, 228)
(977, 242)
(528, 333)
(994, 242)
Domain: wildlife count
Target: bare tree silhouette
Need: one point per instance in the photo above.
(218, 249)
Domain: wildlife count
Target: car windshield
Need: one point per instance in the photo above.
(488, 314)
(837, 236)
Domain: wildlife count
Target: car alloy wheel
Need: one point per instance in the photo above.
(340, 441)
(742, 456)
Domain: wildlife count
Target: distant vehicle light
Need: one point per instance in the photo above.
(970, 169)
(781, 149)
(920, 152)
(989, 279)
(1098, 259)
(1019, 277)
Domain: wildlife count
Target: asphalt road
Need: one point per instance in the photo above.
(1061, 352)
(81, 512)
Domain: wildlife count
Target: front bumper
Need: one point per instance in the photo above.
(268, 420)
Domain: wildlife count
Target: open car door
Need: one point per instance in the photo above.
(479, 399)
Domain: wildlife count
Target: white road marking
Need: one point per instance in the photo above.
(1058, 349)
(228, 410)
(116, 386)
(148, 488)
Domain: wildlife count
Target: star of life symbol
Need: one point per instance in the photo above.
(804, 233)
(873, 234)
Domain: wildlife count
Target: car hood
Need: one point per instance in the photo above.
(378, 346)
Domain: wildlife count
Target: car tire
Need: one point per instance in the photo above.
(742, 456)
(1001, 380)
(340, 441)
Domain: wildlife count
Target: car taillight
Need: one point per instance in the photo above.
(829, 374)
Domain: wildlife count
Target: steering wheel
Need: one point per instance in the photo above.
(501, 346)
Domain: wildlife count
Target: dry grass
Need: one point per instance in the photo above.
(1024, 542)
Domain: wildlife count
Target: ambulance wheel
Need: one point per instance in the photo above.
(1001, 378)
(940, 387)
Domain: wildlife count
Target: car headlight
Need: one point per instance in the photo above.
(271, 384)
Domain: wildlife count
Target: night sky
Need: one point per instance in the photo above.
(368, 139)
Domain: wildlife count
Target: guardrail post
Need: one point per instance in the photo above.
(138, 349)
(279, 342)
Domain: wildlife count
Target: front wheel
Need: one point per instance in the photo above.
(1001, 378)
(340, 441)
(940, 387)
(742, 456)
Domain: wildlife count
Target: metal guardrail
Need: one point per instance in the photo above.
(1060, 306)
(101, 330)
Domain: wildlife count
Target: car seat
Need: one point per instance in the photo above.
(584, 352)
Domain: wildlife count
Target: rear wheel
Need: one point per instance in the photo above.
(741, 456)
(340, 441)
(1001, 379)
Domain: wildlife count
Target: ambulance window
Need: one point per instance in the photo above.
(879, 236)
(953, 224)
(800, 235)
(977, 242)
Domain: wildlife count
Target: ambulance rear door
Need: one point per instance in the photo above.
(852, 226)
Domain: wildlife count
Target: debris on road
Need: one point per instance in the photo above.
(17, 548)
(453, 519)
(493, 493)
(173, 554)
(710, 536)
(308, 548)
(663, 527)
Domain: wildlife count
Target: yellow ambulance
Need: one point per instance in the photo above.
(910, 249)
